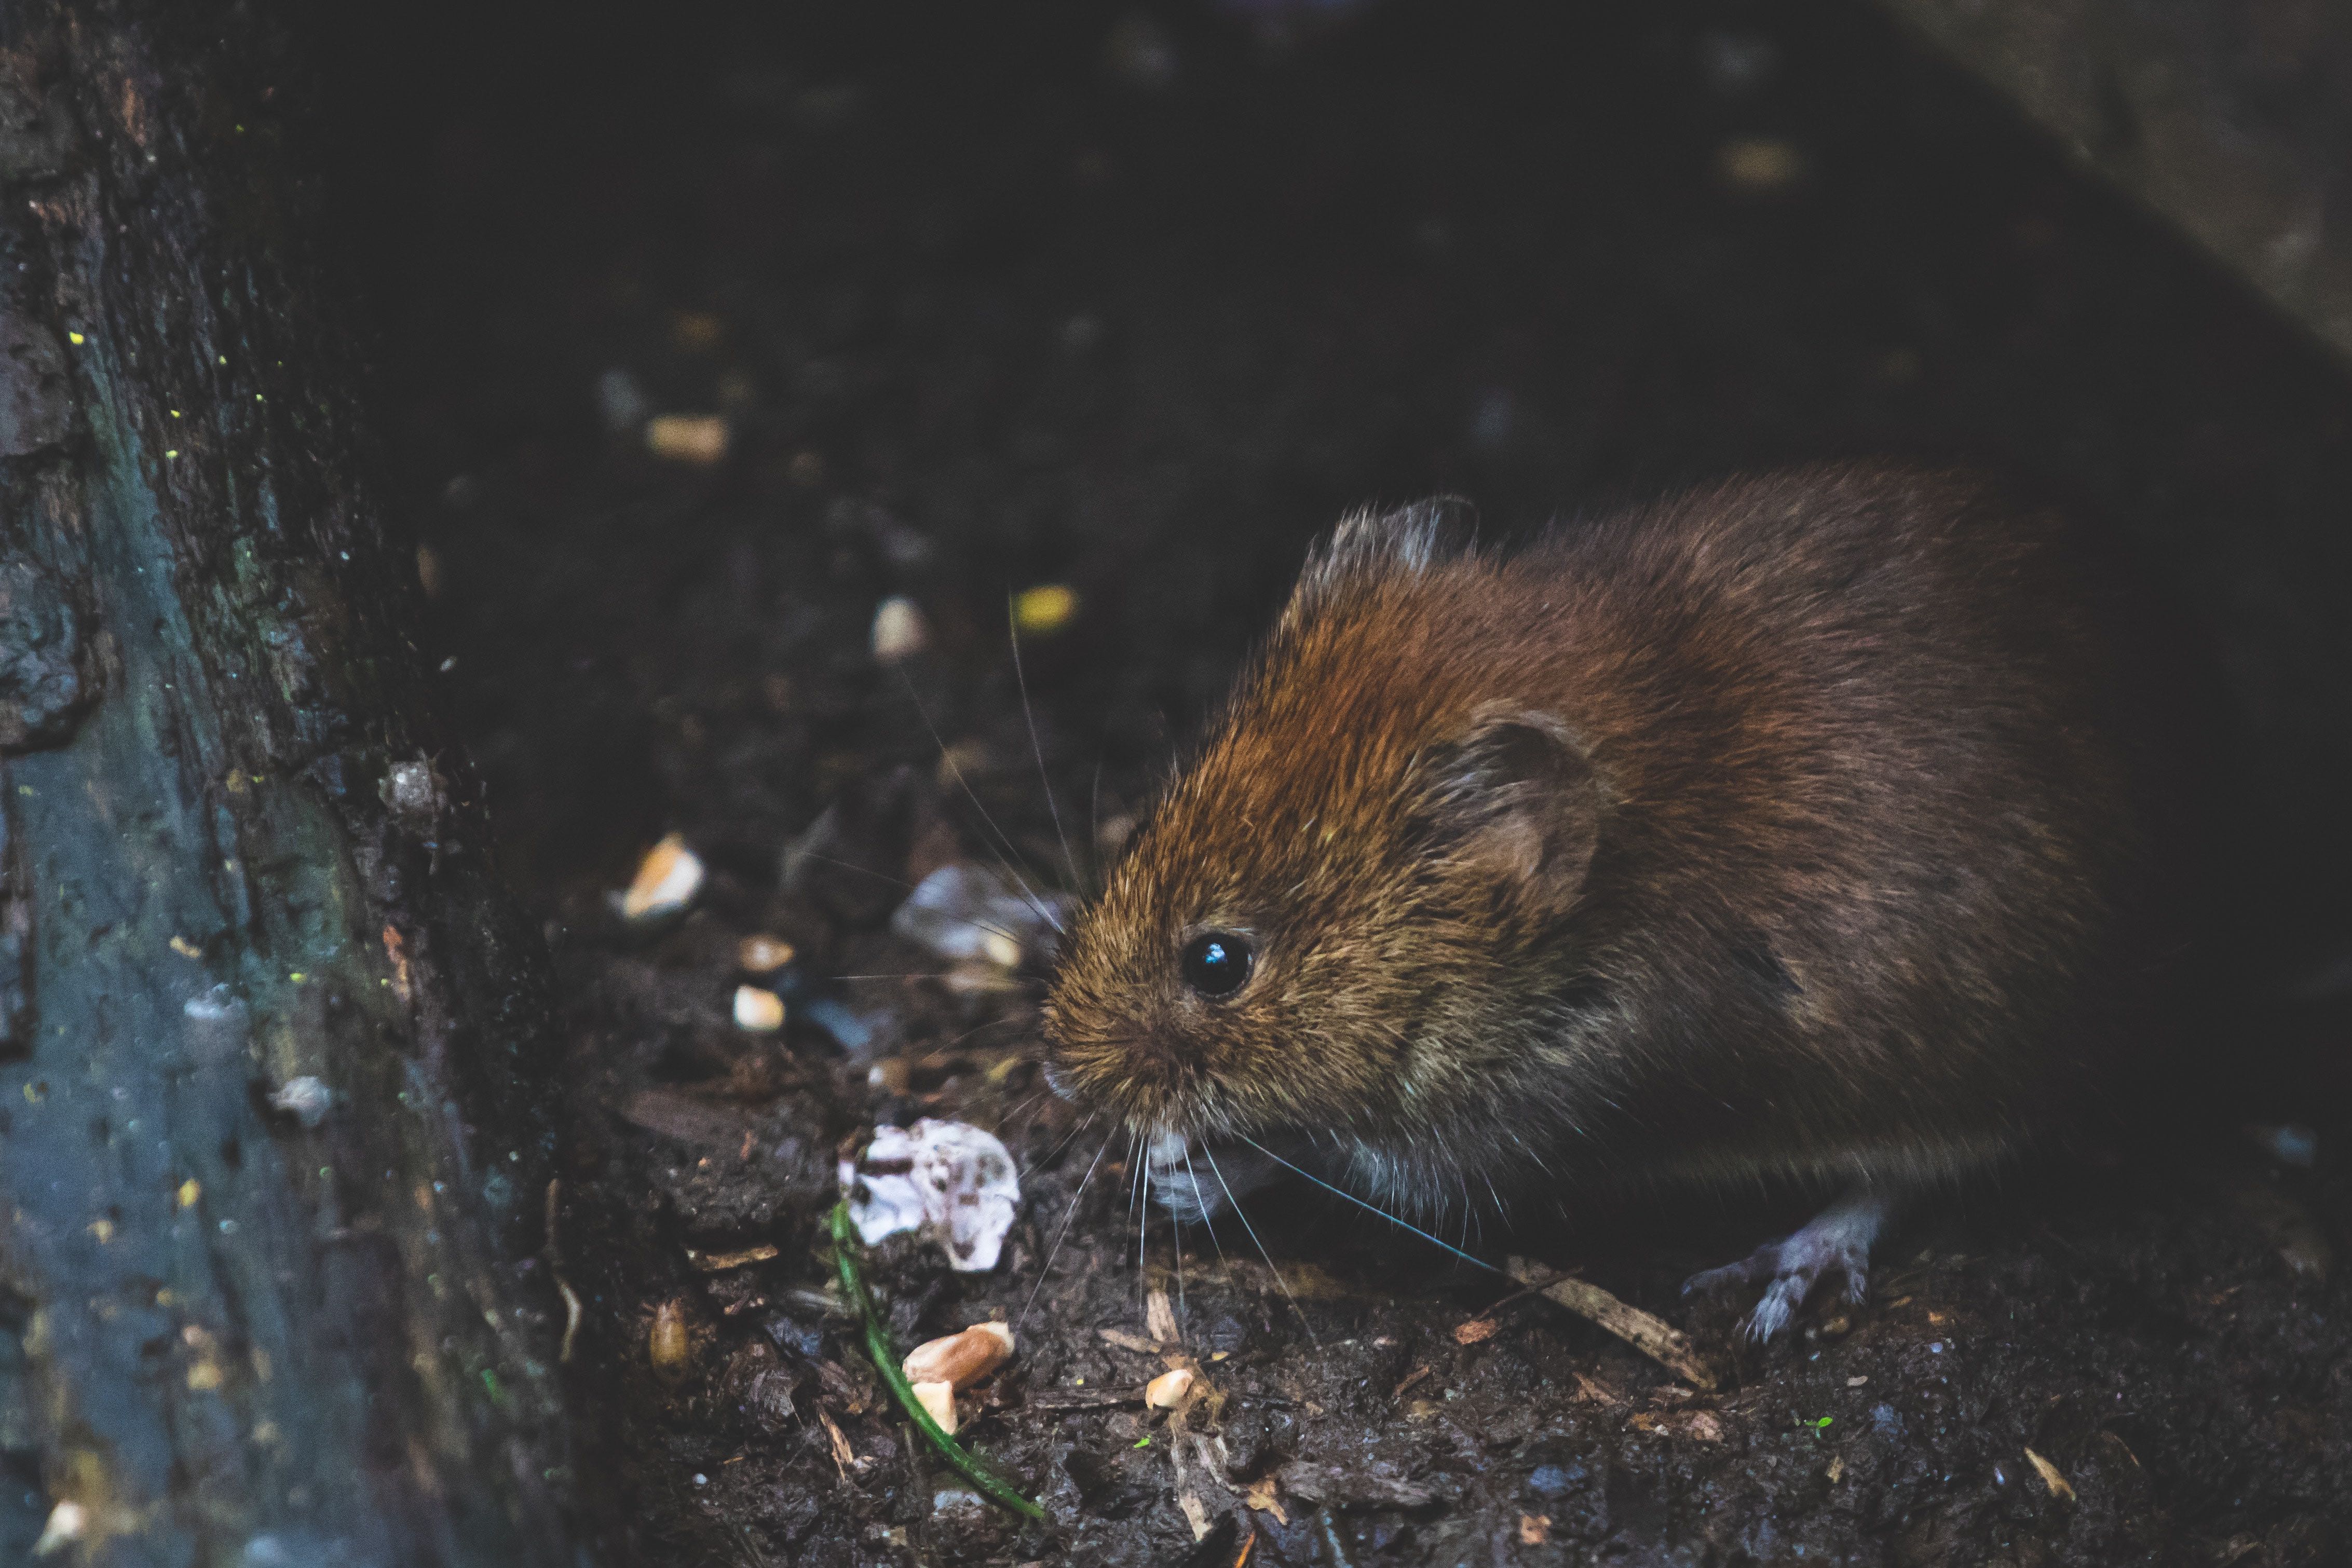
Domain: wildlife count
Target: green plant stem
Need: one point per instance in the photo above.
(886, 1361)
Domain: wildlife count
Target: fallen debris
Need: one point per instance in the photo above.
(960, 1360)
(667, 880)
(1046, 608)
(1172, 1390)
(899, 631)
(967, 914)
(758, 1010)
(1363, 1486)
(2051, 1477)
(1651, 1335)
(668, 1346)
(307, 1099)
(938, 1399)
(698, 438)
(950, 1180)
(763, 955)
(720, 1263)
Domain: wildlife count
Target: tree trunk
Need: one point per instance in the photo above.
(270, 1158)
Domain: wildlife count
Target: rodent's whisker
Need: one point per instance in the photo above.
(1047, 1267)
(1359, 1203)
(1036, 747)
(1211, 1155)
(900, 883)
(1207, 1218)
(1028, 894)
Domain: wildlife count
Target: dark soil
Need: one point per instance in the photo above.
(991, 299)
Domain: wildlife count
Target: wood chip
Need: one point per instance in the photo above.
(1415, 1375)
(1159, 1318)
(1261, 1496)
(2057, 1483)
(1651, 1335)
(1085, 1398)
(844, 1456)
(1702, 1426)
(1375, 1485)
(720, 1263)
(1477, 1330)
(1535, 1528)
(1125, 1340)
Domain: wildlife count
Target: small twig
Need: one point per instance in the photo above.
(1651, 1335)
(886, 1361)
(1084, 1398)
(553, 1252)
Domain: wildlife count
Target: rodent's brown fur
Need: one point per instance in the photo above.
(1780, 827)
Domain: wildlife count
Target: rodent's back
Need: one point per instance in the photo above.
(1775, 826)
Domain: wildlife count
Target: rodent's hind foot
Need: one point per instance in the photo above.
(1836, 1240)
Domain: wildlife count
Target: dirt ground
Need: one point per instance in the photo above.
(1136, 301)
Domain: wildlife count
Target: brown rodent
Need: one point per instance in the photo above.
(1781, 828)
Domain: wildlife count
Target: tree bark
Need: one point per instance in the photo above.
(270, 1157)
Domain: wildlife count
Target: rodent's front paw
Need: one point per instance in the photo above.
(1837, 1240)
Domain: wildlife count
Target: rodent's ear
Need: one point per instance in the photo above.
(1515, 796)
(1406, 541)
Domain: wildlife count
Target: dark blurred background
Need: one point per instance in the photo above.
(1139, 298)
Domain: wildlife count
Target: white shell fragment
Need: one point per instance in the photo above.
(758, 1010)
(950, 1181)
(899, 631)
(938, 1400)
(667, 880)
(969, 913)
(306, 1099)
(961, 1360)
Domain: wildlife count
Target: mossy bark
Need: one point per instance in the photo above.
(235, 1331)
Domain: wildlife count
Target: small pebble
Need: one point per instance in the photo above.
(900, 632)
(698, 438)
(757, 1011)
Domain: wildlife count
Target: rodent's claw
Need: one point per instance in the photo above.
(1837, 1240)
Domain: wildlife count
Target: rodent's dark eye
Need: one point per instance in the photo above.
(1216, 962)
